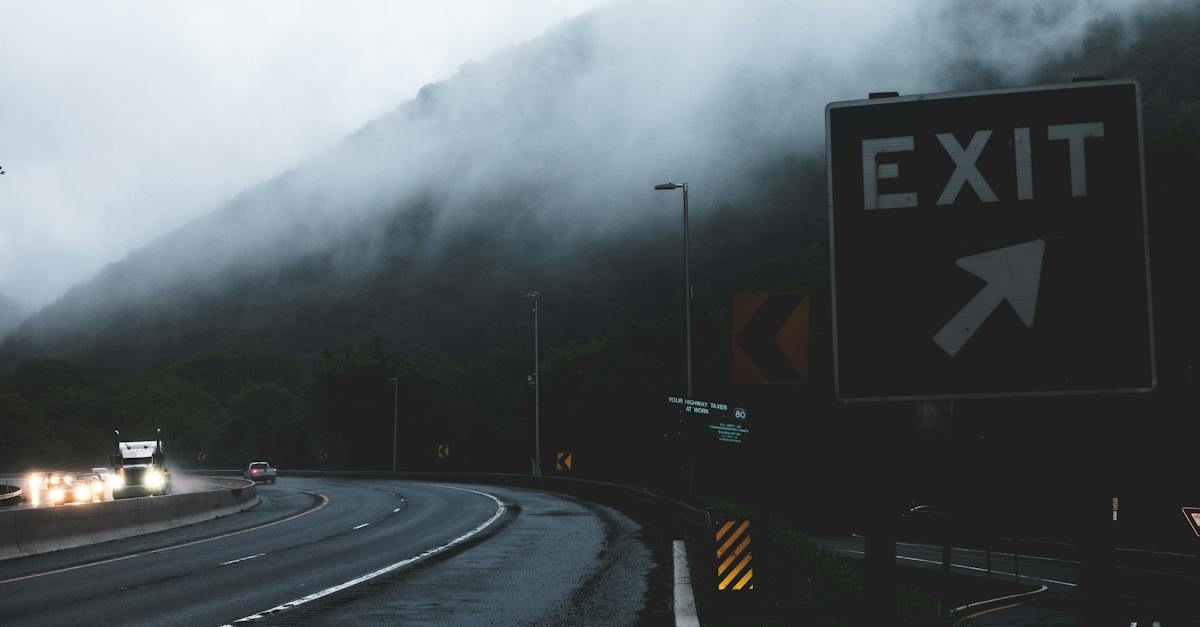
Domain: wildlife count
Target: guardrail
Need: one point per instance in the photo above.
(33, 531)
(664, 512)
(10, 495)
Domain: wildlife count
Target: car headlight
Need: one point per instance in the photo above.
(56, 495)
(154, 479)
(83, 492)
(116, 481)
(36, 482)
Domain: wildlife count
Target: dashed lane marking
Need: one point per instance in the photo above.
(324, 502)
(242, 559)
(500, 508)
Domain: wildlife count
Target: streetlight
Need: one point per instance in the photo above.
(537, 429)
(687, 277)
(395, 414)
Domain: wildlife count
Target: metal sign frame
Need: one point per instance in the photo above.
(967, 94)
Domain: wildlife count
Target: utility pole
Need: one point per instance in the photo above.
(537, 383)
(395, 416)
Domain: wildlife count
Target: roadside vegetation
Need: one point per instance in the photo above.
(796, 582)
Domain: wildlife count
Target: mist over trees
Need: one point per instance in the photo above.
(270, 328)
(11, 314)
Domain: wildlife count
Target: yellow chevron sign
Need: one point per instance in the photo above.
(562, 461)
(443, 450)
(734, 570)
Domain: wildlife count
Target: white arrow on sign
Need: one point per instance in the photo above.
(1013, 274)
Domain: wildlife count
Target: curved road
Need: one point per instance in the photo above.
(360, 551)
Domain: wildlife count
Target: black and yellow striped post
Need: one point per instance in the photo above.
(735, 568)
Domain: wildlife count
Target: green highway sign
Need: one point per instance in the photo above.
(711, 420)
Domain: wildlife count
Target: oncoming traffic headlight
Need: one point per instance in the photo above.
(154, 479)
(56, 495)
(116, 480)
(82, 492)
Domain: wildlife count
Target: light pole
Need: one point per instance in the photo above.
(687, 278)
(687, 313)
(537, 429)
(395, 416)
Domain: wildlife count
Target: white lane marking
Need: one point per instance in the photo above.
(1000, 599)
(324, 502)
(389, 568)
(685, 600)
(360, 527)
(241, 559)
(395, 510)
(975, 568)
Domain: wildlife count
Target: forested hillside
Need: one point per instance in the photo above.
(269, 328)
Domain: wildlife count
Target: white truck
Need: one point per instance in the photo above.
(139, 468)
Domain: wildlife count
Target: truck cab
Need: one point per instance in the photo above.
(139, 469)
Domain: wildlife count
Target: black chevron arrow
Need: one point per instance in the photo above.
(758, 338)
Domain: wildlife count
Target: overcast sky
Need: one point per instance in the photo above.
(120, 121)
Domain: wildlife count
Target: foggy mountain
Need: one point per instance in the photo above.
(11, 314)
(533, 170)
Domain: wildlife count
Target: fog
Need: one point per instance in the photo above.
(575, 126)
(120, 121)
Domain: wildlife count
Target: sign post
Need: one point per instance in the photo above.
(991, 244)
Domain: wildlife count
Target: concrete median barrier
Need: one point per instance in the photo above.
(33, 531)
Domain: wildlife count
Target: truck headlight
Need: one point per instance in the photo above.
(117, 481)
(154, 479)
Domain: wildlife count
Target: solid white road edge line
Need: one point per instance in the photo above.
(685, 601)
(1001, 599)
(360, 527)
(241, 559)
(389, 568)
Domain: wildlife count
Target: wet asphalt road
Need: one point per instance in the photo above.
(544, 559)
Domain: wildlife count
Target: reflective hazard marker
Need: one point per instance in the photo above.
(562, 461)
(734, 570)
(1193, 517)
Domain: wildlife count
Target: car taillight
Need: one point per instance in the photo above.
(254, 471)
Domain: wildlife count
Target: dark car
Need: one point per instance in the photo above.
(259, 471)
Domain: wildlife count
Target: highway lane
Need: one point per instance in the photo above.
(541, 559)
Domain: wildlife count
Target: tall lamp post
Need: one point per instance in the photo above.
(395, 416)
(687, 277)
(537, 429)
(687, 312)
